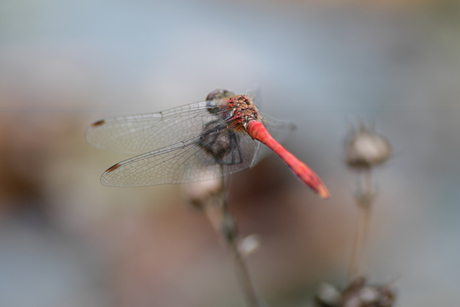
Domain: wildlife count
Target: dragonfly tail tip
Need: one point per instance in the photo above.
(323, 192)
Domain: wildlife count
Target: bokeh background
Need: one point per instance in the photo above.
(65, 240)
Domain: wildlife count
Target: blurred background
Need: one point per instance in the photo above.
(66, 240)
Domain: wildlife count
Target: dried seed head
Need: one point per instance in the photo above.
(358, 293)
(249, 245)
(201, 192)
(328, 296)
(366, 149)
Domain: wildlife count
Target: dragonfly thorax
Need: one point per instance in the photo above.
(241, 109)
(236, 110)
(220, 137)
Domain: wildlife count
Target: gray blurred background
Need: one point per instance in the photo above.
(65, 240)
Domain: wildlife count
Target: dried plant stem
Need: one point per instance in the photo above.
(223, 222)
(244, 277)
(364, 197)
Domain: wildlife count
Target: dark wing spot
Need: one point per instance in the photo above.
(113, 167)
(98, 123)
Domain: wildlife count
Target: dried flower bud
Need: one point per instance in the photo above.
(249, 245)
(327, 296)
(366, 148)
(357, 294)
(360, 294)
(200, 193)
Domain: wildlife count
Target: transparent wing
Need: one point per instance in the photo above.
(141, 133)
(278, 129)
(179, 163)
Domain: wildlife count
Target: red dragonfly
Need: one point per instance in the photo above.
(194, 142)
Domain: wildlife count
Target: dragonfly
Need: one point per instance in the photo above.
(204, 140)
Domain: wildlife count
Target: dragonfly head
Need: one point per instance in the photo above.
(213, 98)
(219, 94)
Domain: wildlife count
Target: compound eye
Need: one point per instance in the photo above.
(217, 94)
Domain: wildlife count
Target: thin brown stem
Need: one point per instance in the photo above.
(356, 250)
(244, 277)
(364, 197)
(228, 230)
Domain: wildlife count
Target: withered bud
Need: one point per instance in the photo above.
(200, 193)
(357, 294)
(360, 294)
(366, 149)
(249, 245)
(327, 296)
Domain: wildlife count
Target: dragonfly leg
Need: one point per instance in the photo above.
(237, 155)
